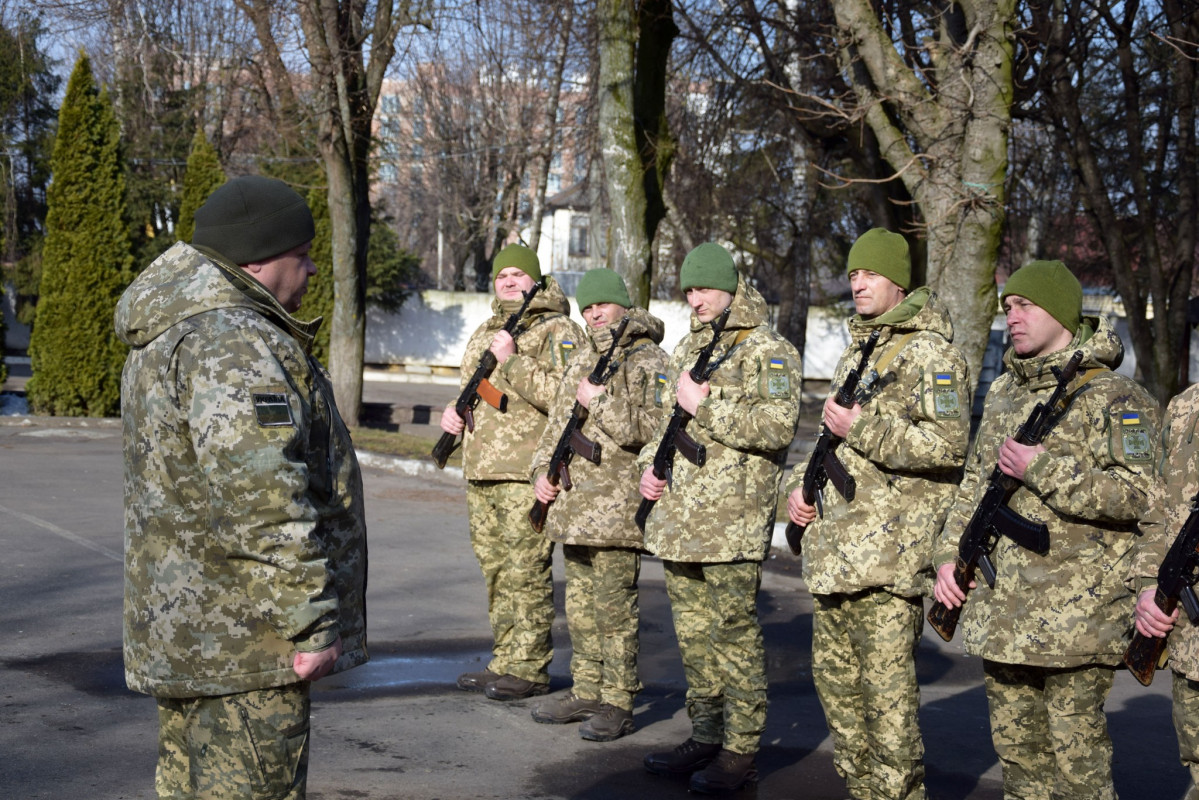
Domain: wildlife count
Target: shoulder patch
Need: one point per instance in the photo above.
(272, 410)
(565, 348)
(778, 380)
(1134, 437)
(659, 386)
(946, 402)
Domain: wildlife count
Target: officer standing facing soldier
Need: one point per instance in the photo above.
(594, 521)
(712, 527)
(245, 540)
(1171, 505)
(1055, 627)
(868, 564)
(514, 558)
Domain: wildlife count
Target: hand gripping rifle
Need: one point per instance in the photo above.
(824, 466)
(993, 518)
(479, 387)
(1176, 579)
(676, 438)
(572, 439)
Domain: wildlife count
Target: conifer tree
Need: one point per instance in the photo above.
(202, 177)
(87, 260)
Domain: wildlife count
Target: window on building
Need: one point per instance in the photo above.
(580, 233)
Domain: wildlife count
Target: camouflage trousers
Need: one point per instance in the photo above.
(1186, 726)
(715, 613)
(515, 561)
(602, 615)
(245, 746)
(1049, 730)
(864, 668)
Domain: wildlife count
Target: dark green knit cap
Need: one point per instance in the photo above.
(602, 286)
(879, 250)
(709, 266)
(519, 256)
(1051, 286)
(253, 218)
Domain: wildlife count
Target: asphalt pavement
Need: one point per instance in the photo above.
(398, 727)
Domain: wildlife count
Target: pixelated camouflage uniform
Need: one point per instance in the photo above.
(1054, 626)
(594, 520)
(712, 527)
(868, 563)
(514, 558)
(245, 538)
(1178, 470)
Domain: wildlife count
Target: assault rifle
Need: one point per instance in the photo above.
(824, 466)
(993, 518)
(676, 438)
(572, 439)
(1176, 579)
(479, 387)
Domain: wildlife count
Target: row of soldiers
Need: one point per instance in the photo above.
(1051, 627)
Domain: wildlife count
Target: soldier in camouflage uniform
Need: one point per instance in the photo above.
(594, 520)
(1178, 470)
(868, 563)
(712, 526)
(1055, 627)
(245, 540)
(514, 558)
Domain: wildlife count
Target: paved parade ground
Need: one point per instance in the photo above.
(398, 727)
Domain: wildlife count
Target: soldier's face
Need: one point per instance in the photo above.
(708, 303)
(511, 284)
(597, 315)
(1034, 332)
(873, 294)
(286, 275)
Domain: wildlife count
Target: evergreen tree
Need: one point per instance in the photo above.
(201, 178)
(86, 260)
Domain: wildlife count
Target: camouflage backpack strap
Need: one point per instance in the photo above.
(892, 352)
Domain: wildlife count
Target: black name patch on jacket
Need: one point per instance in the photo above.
(272, 410)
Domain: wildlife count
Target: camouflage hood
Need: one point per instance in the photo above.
(642, 325)
(186, 281)
(1096, 338)
(551, 299)
(921, 310)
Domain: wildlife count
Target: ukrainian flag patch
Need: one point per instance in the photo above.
(659, 387)
(1130, 418)
(944, 378)
(1135, 439)
(778, 382)
(565, 349)
(946, 402)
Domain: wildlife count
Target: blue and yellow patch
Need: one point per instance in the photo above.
(565, 349)
(946, 402)
(659, 387)
(1136, 443)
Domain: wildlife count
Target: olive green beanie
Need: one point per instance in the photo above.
(253, 218)
(709, 266)
(879, 250)
(519, 256)
(1051, 286)
(602, 286)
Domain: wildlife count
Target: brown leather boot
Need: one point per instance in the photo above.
(727, 773)
(477, 681)
(608, 725)
(567, 708)
(510, 687)
(684, 759)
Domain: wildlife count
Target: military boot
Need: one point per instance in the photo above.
(510, 687)
(727, 773)
(567, 708)
(608, 725)
(477, 681)
(686, 758)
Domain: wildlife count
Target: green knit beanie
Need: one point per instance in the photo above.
(709, 266)
(253, 218)
(602, 286)
(1051, 286)
(519, 256)
(879, 250)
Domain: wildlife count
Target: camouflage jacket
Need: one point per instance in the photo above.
(1170, 506)
(502, 444)
(599, 510)
(905, 453)
(724, 510)
(245, 538)
(1090, 487)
